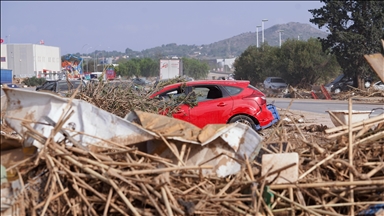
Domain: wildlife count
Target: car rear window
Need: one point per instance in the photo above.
(233, 90)
(277, 81)
(253, 88)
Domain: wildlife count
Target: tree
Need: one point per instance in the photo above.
(303, 63)
(255, 65)
(300, 63)
(149, 67)
(133, 67)
(122, 69)
(355, 29)
(195, 68)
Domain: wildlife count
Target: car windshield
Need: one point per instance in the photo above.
(50, 86)
(338, 78)
(277, 80)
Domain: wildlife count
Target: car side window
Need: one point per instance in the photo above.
(75, 84)
(232, 90)
(201, 93)
(345, 79)
(207, 92)
(63, 86)
(171, 94)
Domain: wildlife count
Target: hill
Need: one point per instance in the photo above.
(235, 45)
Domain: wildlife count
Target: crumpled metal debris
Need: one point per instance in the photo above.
(219, 145)
(222, 146)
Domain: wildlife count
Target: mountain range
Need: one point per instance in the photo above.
(234, 46)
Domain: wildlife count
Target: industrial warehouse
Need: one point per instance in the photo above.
(28, 60)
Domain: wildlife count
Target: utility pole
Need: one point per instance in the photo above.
(257, 36)
(280, 37)
(262, 24)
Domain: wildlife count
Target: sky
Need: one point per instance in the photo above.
(86, 26)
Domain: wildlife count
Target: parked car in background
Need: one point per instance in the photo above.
(275, 83)
(339, 84)
(61, 87)
(140, 81)
(343, 83)
(222, 102)
(378, 86)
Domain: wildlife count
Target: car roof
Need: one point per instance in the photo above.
(212, 82)
(236, 83)
(69, 80)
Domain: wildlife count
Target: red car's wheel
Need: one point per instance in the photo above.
(243, 119)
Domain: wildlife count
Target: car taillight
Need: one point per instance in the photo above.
(258, 97)
(261, 100)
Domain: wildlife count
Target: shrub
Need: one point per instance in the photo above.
(33, 81)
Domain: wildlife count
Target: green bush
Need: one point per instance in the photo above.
(33, 81)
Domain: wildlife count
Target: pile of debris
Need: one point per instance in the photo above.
(78, 159)
(119, 97)
(316, 93)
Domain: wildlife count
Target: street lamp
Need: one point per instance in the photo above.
(88, 59)
(83, 47)
(262, 24)
(257, 36)
(280, 37)
(97, 57)
(102, 55)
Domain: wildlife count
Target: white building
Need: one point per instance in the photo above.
(27, 60)
(228, 62)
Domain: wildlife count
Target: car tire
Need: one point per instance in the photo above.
(243, 119)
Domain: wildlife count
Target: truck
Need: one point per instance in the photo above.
(170, 68)
(6, 76)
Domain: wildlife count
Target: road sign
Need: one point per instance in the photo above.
(1, 40)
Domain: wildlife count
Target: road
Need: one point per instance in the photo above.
(321, 106)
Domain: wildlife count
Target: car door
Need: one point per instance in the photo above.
(183, 112)
(214, 106)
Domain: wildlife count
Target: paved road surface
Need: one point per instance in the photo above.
(321, 106)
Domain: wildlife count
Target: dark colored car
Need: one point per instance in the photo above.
(139, 81)
(60, 86)
(222, 102)
(343, 83)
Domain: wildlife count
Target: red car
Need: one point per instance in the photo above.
(222, 102)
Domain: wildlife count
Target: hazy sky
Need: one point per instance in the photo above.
(116, 25)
